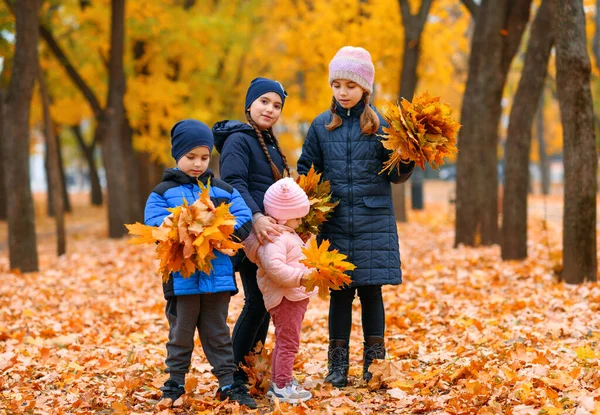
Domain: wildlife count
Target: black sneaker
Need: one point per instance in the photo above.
(238, 393)
(171, 390)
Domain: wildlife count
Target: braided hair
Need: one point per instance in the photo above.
(261, 140)
(369, 121)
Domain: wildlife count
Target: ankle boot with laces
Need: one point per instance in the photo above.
(374, 349)
(338, 363)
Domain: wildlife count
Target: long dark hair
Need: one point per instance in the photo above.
(369, 121)
(261, 140)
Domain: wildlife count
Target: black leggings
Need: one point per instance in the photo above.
(253, 323)
(340, 312)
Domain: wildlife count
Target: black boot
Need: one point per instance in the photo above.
(337, 363)
(374, 349)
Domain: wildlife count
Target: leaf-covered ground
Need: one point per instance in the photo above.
(466, 333)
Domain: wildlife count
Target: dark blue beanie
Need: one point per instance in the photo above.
(260, 86)
(189, 134)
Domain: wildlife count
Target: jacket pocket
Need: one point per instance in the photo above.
(377, 202)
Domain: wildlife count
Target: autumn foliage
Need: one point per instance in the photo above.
(421, 131)
(258, 370)
(187, 238)
(329, 268)
(319, 196)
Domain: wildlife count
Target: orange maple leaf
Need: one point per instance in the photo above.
(188, 237)
(384, 373)
(328, 267)
(258, 370)
(321, 206)
(421, 131)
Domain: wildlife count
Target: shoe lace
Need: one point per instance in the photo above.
(377, 351)
(339, 357)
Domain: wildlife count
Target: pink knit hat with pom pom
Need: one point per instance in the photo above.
(285, 200)
(353, 64)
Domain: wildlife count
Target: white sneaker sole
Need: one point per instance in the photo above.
(271, 395)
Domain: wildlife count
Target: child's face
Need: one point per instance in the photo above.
(293, 223)
(266, 109)
(195, 162)
(347, 93)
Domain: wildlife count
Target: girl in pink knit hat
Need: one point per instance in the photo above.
(343, 144)
(279, 277)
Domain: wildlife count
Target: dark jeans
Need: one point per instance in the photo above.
(340, 312)
(252, 325)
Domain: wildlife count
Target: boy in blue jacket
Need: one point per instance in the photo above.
(200, 302)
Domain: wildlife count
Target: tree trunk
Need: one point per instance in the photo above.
(110, 129)
(54, 177)
(544, 164)
(518, 145)
(498, 30)
(136, 200)
(21, 214)
(3, 195)
(580, 158)
(88, 152)
(63, 177)
(413, 29)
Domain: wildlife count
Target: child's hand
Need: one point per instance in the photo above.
(266, 228)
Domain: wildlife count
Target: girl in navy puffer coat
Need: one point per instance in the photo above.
(343, 144)
(251, 161)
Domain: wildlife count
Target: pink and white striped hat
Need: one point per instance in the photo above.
(354, 64)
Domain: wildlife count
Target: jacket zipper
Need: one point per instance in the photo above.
(350, 192)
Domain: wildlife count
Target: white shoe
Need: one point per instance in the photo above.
(291, 393)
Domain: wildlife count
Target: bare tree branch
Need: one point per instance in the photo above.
(71, 71)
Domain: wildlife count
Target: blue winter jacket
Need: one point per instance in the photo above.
(174, 188)
(363, 225)
(243, 163)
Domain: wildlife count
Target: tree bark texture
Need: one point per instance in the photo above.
(20, 209)
(111, 131)
(573, 71)
(498, 31)
(3, 196)
(55, 182)
(518, 145)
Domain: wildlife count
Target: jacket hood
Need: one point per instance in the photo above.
(177, 176)
(223, 129)
(251, 246)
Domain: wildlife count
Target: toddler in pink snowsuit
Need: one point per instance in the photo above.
(279, 276)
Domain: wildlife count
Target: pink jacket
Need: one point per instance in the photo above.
(279, 269)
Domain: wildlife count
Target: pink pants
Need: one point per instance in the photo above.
(287, 318)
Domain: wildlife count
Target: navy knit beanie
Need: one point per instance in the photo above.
(189, 134)
(260, 86)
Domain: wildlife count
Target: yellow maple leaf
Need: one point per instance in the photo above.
(328, 268)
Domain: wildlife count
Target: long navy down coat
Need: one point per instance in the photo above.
(363, 224)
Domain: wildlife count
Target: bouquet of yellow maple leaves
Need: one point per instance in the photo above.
(189, 235)
(328, 267)
(321, 206)
(421, 131)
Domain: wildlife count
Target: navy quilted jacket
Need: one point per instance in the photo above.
(174, 188)
(243, 163)
(363, 225)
